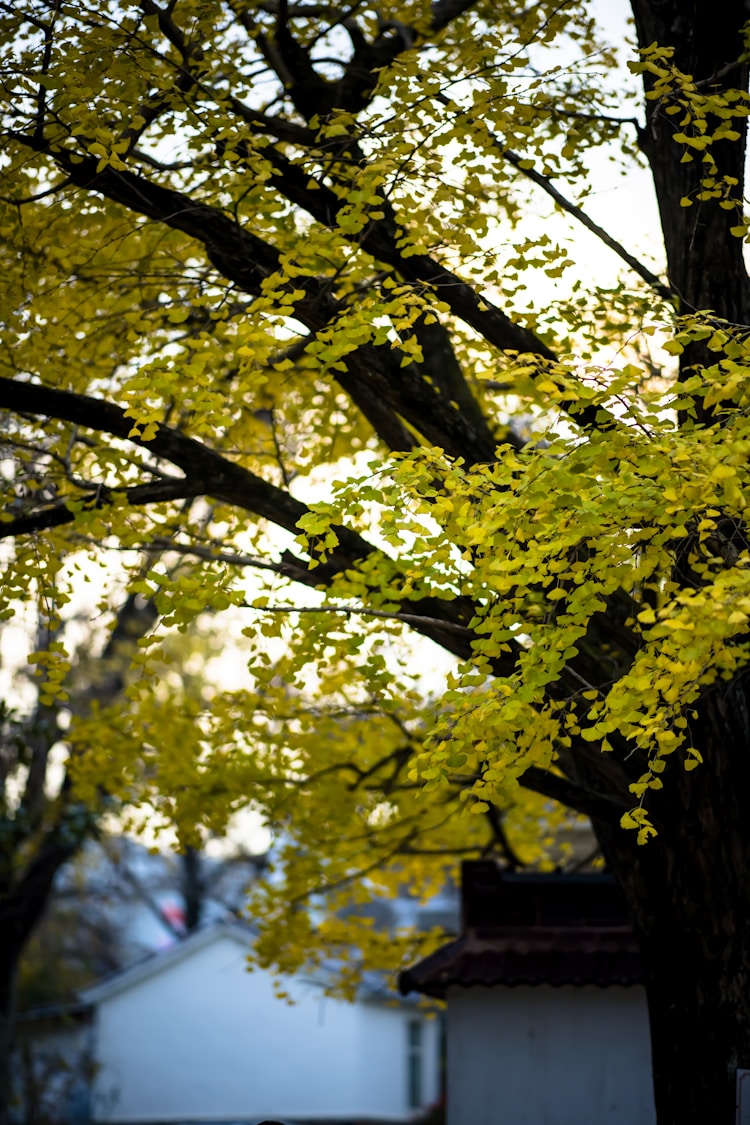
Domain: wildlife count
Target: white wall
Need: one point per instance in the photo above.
(548, 1056)
(386, 1053)
(206, 1040)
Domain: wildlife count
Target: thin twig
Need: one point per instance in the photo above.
(208, 553)
(360, 611)
(35, 198)
(571, 208)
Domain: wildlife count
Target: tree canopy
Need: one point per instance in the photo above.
(292, 312)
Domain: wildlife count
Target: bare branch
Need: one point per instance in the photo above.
(122, 867)
(210, 554)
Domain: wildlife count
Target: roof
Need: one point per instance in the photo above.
(63, 1013)
(373, 986)
(525, 956)
(154, 963)
(533, 929)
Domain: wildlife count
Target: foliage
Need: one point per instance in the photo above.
(270, 276)
(51, 1089)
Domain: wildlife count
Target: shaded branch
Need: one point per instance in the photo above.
(208, 473)
(602, 806)
(21, 908)
(57, 515)
(373, 378)
(362, 611)
(500, 836)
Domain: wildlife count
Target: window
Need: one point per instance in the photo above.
(414, 1031)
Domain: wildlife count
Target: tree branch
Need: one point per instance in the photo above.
(569, 207)
(354, 90)
(57, 515)
(380, 238)
(500, 836)
(374, 378)
(602, 806)
(208, 473)
(362, 611)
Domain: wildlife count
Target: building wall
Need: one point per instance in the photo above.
(548, 1056)
(390, 1049)
(204, 1040)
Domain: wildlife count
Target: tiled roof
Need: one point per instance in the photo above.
(533, 929)
(533, 955)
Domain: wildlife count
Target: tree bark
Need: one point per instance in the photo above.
(193, 888)
(23, 902)
(689, 889)
(8, 972)
(705, 261)
(689, 897)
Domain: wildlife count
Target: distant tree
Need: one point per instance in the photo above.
(51, 1089)
(115, 902)
(279, 260)
(43, 820)
(67, 950)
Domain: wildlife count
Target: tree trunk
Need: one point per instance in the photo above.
(22, 905)
(193, 889)
(689, 889)
(705, 261)
(8, 973)
(689, 897)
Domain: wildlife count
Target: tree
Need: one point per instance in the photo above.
(45, 824)
(118, 902)
(274, 258)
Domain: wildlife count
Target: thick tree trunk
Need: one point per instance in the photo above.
(705, 261)
(689, 896)
(689, 889)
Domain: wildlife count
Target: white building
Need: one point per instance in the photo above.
(546, 1019)
(189, 1035)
